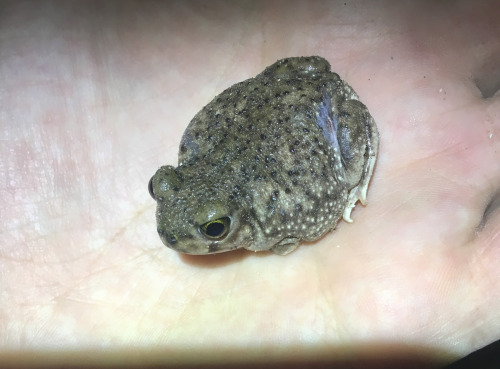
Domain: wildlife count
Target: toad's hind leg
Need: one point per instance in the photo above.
(358, 144)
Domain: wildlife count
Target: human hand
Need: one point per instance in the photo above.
(94, 99)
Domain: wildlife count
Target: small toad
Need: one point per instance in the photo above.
(269, 162)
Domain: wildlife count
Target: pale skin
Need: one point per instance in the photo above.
(94, 98)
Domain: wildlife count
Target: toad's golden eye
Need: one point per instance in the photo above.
(216, 229)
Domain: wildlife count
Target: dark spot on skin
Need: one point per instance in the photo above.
(288, 191)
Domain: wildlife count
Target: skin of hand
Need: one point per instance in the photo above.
(94, 97)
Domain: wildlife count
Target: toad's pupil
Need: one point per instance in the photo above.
(215, 229)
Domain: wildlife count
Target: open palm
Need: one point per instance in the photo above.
(94, 100)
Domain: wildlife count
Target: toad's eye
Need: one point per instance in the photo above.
(150, 188)
(216, 229)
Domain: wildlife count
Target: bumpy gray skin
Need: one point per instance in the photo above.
(269, 162)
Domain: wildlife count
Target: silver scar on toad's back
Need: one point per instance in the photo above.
(269, 162)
